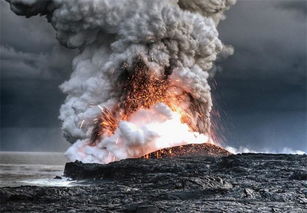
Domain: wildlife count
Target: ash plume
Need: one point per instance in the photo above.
(137, 58)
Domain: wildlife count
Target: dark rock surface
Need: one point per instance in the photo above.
(236, 183)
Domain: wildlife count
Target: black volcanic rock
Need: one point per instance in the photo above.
(235, 183)
(137, 167)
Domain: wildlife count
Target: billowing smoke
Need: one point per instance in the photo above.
(140, 81)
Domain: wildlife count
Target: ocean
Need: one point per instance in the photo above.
(32, 168)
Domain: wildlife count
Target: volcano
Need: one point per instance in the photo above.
(140, 80)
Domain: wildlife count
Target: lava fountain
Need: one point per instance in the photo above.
(152, 113)
(140, 81)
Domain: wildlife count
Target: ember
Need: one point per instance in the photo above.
(142, 89)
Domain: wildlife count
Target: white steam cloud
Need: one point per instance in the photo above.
(110, 32)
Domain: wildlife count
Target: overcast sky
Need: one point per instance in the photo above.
(261, 91)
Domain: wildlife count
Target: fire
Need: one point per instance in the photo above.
(143, 89)
(152, 113)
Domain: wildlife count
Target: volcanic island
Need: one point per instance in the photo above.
(205, 179)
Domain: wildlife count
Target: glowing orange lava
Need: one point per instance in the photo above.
(152, 113)
(142, 88)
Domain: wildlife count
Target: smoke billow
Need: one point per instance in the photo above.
(141, 64)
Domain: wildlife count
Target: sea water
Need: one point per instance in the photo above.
(33, 168)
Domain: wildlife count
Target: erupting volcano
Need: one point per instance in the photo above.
(140, 80)
(152, 113)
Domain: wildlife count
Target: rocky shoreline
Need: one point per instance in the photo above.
(235, 183)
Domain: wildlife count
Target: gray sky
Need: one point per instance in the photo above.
(261, 92)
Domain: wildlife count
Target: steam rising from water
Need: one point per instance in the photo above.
(180, 36)
(146, 131)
